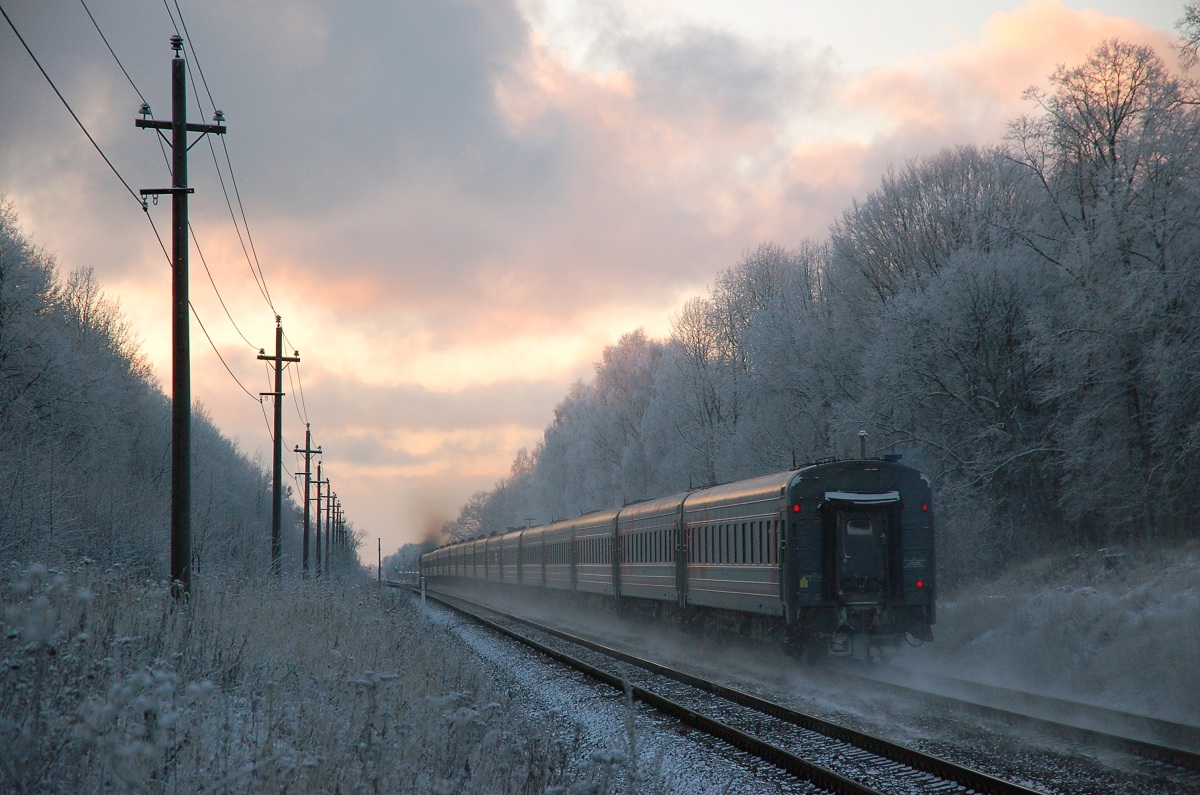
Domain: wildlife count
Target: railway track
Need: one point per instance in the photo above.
(833, 757)
(1163, 741)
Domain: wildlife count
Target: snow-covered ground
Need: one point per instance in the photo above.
(340, 685)
(625, 747)
(1118, 628)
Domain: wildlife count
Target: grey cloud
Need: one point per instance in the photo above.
(697, 69)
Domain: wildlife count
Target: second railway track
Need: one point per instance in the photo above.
(831, 756)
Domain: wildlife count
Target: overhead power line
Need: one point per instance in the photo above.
(113, 52)
(67, 105)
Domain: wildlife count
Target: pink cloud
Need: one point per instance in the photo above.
(973, 89)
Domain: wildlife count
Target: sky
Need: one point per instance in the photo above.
(455, 205)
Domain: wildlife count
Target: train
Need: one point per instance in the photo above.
(834, 557)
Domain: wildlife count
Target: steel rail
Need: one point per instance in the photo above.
(785, 760)
(909, 757)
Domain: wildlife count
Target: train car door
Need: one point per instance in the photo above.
(862, 549)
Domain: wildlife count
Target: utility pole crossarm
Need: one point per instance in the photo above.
(154, 124)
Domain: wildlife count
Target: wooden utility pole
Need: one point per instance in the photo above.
(181, 374)
(341, 528)
(277, 486)
(318, 483)
(328, 527)
(308, 454)
(331, 508)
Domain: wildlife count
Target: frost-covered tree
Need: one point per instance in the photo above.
(1114, 153)
(913, 223)
(85, 434)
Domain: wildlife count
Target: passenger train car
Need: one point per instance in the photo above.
(835, 555)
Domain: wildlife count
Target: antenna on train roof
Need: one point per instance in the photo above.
(862, 443)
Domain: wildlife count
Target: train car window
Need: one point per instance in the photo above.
(859, 527)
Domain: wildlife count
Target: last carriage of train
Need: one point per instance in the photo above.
(834, 557)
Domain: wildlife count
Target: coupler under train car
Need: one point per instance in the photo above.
(859, 631)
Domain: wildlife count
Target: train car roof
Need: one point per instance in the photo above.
(760, 489)
(590, 521)
(655, 507)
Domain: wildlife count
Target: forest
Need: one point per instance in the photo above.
(85, 436)
(1020, 321)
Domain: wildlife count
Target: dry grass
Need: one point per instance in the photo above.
(285, 686)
